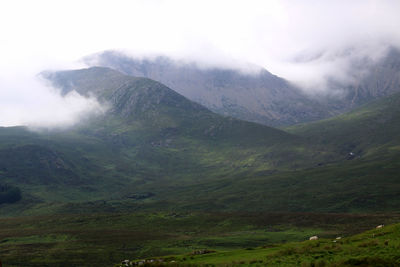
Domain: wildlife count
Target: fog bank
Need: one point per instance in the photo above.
(308, 42)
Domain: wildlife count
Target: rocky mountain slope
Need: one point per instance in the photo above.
(382, 79)
(371, 81)
(258, 96)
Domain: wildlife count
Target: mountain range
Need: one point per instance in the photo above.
(154, 148)
(258, 95)
(149, 141)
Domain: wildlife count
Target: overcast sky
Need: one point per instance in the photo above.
(303, 41)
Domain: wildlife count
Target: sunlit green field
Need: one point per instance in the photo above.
(377, 247)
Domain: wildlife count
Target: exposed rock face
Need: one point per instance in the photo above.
(260, 96)
(382, 79)
(371, 81)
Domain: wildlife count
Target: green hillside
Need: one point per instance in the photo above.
(150, 142)
(365, 180)
(155, 150)
(372, 129)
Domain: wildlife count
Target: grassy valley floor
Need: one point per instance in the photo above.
(106, 239)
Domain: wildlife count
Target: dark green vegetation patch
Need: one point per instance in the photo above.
(9, 194)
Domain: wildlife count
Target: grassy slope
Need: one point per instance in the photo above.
(367, 181)
(369, 131)
(378, 247)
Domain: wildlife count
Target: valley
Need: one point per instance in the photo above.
(199, 133)
(156, 174)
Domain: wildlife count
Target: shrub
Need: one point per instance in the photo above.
(9, 194)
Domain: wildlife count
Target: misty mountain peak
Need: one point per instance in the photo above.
(127, 95)
(257, 96)
(82, 80)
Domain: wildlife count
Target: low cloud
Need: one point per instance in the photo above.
(31, 102)
(336, 40)
(333, 70)
(308, 42)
